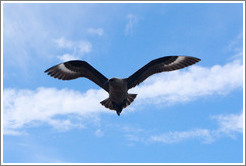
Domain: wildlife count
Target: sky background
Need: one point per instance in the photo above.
(194, 115)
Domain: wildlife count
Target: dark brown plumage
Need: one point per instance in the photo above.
(74, 69)
(116, 87)
(168, 63)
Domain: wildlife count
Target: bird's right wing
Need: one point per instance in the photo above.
(75, 69)
(168, 63)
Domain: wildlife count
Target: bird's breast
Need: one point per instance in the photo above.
(117, 93)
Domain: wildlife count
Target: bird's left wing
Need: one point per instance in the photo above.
(168, 63)
(74, 69)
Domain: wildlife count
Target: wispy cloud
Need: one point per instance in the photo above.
(23, 36)
(63, 43)
(73, 49)
(237, 43)
(229, 125)
(63, 125)
(178, 136)
(84, 47)
(67, 57)
(99, 133)
(96, 31)
(131, 22)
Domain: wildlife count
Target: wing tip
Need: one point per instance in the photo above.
(193, 59)
(46, 71)
(49, 69)
(197, 59)
(59, 73)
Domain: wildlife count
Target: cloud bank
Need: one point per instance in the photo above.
(45, 105)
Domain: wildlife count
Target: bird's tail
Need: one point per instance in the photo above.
(130, 98)
(118, 106)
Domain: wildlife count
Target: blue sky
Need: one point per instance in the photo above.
(194, 115)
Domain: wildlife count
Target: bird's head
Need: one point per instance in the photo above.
(112, 80)
(115, 82)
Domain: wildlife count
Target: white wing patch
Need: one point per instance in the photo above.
(179, 59)
(63, 68)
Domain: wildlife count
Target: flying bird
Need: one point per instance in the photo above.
(119, 98)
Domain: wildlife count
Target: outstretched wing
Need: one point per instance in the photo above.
(74, 69)
(168, 63)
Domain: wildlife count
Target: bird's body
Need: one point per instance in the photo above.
(117, 90)
(118, 95)
(116, 87)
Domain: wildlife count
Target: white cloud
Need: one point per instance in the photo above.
(63, 43)
(84, 47)
(67, 57)
(131, 21)
(186, 85)
(22, 108)
(96, 31)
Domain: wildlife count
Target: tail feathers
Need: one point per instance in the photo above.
(108, 104)
(130, 98)
(118, 106)
(112, 105)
